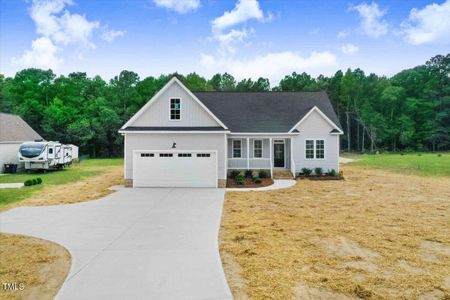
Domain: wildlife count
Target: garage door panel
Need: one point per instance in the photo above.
(175, 171)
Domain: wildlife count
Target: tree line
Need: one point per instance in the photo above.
(408, 111)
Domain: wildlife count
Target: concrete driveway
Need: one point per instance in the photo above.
(146, 243)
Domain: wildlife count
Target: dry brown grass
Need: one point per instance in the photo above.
(375, 235)
(40, 265)
(91, 188)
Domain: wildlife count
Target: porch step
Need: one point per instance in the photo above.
(282, 174)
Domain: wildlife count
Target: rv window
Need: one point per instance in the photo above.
(31, 149)
(50, 150)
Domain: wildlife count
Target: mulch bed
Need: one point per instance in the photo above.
(249, 183)
(313, 177)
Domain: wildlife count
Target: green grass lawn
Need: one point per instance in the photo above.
(76, 172)
(424, 164)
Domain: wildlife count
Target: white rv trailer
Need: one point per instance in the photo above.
(44, 155)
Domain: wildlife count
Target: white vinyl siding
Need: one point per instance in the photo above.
(257, 148)
(191, 114)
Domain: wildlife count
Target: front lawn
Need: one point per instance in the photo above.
(78, 172)
(426, 164)
(374, 235)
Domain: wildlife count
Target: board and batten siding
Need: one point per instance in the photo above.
(184, 141)
(158, 114)
(316, 127)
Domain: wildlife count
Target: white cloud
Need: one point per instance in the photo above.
(273, 65)
(428, 25)
(343, 33)
(180, 6)
(58, 28)
(43, 54)
(54, 22)
(244, 10)
(349, 49)
(372, 22)
(111, 35)
(228, 41)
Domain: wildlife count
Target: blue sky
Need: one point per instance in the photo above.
(247, 38)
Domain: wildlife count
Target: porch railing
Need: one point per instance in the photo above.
(253, 163)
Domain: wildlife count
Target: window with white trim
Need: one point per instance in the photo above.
(320, 149)
(257, 149)
(314, 149)
(175, 109)
(237, 148)
(309, 149)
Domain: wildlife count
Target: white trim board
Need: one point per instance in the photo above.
(315, 108)
(169, 131)
(161, 91)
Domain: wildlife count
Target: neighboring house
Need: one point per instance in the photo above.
(185, 139)
(13, 132)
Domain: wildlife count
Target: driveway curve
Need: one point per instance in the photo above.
(147, 243)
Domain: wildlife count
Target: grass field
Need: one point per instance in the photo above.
(378, 234)
(425, 164)
(76, 173)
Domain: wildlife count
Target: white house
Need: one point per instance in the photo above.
(185, 139)
(13, 132)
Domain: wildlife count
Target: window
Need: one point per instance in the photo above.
(184, 155)
(309, 149)
(320, 149)
(314, 149)
(203, 155)
(147, 154)
(165, 155)
(257, 149)
(50, 150)
(175, 109)
(237, 148)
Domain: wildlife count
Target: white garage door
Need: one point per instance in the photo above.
(174, 169)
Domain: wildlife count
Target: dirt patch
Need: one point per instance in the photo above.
(249, 183)
(303, 292)
(40, 265)
(84, 190)
(347, 237)
(233, 273)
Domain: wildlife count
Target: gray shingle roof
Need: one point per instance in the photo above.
(14, 129)
(265, 111)
(173, 128)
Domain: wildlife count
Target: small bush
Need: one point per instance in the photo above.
(248, 173)
(263, 174)
(28, 182)
(34, 181)
(306, 171)
(419, 154)
(234, 173)
(239, 179)
(39, 180)
(439, 155)
(318, 171)
(332, 172)
(257, 180)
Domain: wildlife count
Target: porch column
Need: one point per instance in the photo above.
(270, 156)
(248, 153)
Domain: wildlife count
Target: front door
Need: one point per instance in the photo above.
(278, 158)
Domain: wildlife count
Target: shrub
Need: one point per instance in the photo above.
(318, 171)
(39, 180)
(439, 155)
(34, 181)
(28, 182)
(332, 172)
(248, 173)
(306, 171)
(257, 180)
(239, 179)
(234, 173)
(263, 174)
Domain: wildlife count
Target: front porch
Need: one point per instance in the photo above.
(254, 152)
